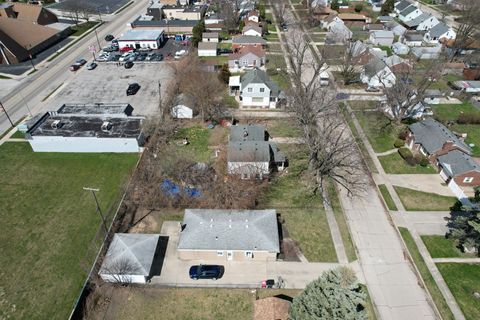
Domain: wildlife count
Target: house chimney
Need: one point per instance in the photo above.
(245, 133)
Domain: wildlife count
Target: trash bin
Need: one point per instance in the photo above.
(270, 283)
(264, 283)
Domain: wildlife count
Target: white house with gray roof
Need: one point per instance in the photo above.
(409, 13)
(229, 235)
(423, 22)
(401, 5)
(377, 74)
(460, 167)
(130, 258)
(381, 37)
(440, 31)
(251, 155)
(256, 89)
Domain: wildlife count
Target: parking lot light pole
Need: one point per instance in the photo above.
(98, 41)
(8, 117)
(104, 222)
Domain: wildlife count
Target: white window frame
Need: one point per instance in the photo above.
(262, 90)
(468, 180)
(249, 254)
(219, 253)
(250, 90)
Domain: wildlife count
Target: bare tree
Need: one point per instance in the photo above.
(120, 271)
(332, 151)
(404, 98)
(77, 10)
(467, 31)
(350, 68)
(279, 9)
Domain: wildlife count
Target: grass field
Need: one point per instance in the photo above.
(198, 141)
(445, 112)
(48, 222)
(437, 296)
(394, 164)
(362, 104)
(463, 280)
(387, 197)
(380, 134)
(422, 201)
(303, 212)
(473, 135)
(441, 247)
(283, 128)
(342, 223)
(82, 28)
(187, 303)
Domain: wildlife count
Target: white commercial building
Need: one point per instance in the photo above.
(136, 39)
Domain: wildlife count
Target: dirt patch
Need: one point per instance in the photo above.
(145, 222)
(290, 250)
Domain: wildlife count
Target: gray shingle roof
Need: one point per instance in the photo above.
(457, 163)
(135, 248)
(402, 5)
(432, 135)
(408, 10)
(249, 132)
(374, 66)
(415, 22)
(248, 151)
(438, 30)
(259, 76)
(249, 230)
(248, 40)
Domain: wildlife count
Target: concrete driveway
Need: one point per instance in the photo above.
(425, 222)
(238, 274)
(431, 183)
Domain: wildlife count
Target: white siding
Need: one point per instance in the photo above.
(256, 101)
(207, 53)
(143, 44)
(83, 144)
(249, 168)
(252, 32)
(127, 278)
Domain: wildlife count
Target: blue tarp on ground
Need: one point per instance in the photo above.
(172, 189)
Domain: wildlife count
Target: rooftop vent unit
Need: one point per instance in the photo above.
(57, 124)
(106, 126)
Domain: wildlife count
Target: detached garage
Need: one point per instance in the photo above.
(137, 39)
(207, 49)
(129, 258)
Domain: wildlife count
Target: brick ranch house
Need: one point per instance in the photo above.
(449, 153)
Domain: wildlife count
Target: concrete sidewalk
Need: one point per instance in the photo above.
(456, 260)
(426, 223)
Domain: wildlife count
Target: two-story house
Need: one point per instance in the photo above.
(440, 31)
(256, 90)
(409, 13)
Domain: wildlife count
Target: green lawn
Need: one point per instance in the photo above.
(225, 45)
(275, 61)
(379, 132)
(432, 287)
(48, 222)
(394, 164)
(198, 137)
(445, 112)
(342, 223)
(18, 135)
(387, 197)
(363, 104)
(441, 247)
(463, 280)
(303, 212)
(283, 128)
(280, 78)
(272, 37)
(473, 135)
(82, 28)
(274, 47)
(187, 303)
(414, 200)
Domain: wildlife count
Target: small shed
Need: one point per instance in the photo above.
(207, 49)
(182, 107)
(129, 258)
(400, 48)
(382, 37)
(210, 37)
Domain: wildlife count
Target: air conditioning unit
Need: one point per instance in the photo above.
(57, 124)
(106, 126)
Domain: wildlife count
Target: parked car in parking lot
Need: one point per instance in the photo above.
(203, 271)
(91, 66)
(133, 89)
(74, 67)
(158, 57)
(180, 54)
(128, 65)
(81, 62)
(110, 49)
(109, 37)
(150, 56)
(77, 64)
(125, 57)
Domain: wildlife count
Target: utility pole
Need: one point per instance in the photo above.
(159, 95)
(30, 56)
(8, 117)
(104, 222)
(98, 41)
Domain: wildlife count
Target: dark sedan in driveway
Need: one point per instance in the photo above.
(204, 271)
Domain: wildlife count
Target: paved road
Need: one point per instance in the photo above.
(392, 283)
(52, 74)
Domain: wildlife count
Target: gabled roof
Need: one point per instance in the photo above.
(135, 249)
(385, 18)
(252, 27)
(249, 132)
(257, 51)
(248, 151)
(209, 35)
(382, 34)
(432, 135)
(415, 22)
(408, 10)
(248, 230)
(393, 60)
(243, 39)
(259, 76)
(26, 33)
(413, 36)
(351, 16)
(456, 163)
(402, 5)
(374, 66)
(29, 12)
(207, 45)
(438, 30)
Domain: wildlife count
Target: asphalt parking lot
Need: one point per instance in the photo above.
(102, 6)
(168, 50)
(108, 84)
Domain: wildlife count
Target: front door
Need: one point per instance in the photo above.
(229, 255)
